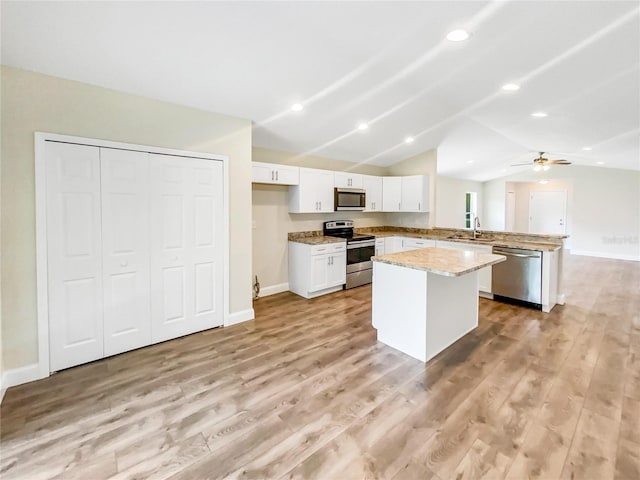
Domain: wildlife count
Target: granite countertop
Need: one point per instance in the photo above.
(441, 261)
(486, 238)
(310, 238)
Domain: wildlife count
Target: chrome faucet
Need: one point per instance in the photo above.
(476, 227)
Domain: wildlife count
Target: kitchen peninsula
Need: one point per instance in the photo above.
(424, 300)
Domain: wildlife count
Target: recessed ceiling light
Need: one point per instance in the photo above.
(503, 170)
(543, 182)
(408, 140)
(457, 35)
(586, 149)
(539, 114)
(511, 87)
(296, 107)
(600, 163)
(469, 161)
(363, 126)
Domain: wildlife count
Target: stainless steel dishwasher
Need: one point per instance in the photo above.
(519, 277)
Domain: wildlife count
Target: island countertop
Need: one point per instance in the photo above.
(441, 261)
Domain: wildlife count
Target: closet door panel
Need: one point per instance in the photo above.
(74, 254)
(126, 249)
(186, 252)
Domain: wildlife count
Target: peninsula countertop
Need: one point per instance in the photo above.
(441, 261)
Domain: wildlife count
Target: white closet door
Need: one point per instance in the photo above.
(74, 254)
(186, 245)
(125, 245)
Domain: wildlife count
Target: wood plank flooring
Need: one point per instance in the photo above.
(305, 391)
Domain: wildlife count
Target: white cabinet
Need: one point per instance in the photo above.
(484, 275)
(373, 188)
(316, 270)
(134, 249)
(409, 243)
(347, 180)
(405, 194)
(415, 194)
(380, 244)
(314, 193)
(392, 244)
(274, 173)
(391, 194)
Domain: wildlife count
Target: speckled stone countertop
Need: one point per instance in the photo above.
(313, 238)
(490, 238)
(441, 261)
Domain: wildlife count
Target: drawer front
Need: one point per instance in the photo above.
(328, 248)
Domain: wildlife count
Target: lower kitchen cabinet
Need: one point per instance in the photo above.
(484, 275)
(380, 243)
(409, 243)
(316, 270)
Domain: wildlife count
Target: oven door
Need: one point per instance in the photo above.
(350, 199)
(359, 255)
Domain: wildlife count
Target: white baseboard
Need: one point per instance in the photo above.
(613, 256)
(273, 289)
(18, 376)
(239, 317)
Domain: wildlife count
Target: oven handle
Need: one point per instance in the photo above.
(361, 243)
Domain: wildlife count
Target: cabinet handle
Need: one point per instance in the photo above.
(124, 263)
(272, 175)
(398, 205)
(320, 202)
(276, 175)
(418, 206)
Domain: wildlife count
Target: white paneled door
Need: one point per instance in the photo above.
(74, 254)
(125, 245)
(186, 245)
(548, 211)
(135, 249)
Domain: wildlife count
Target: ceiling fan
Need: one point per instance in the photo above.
(542, 163)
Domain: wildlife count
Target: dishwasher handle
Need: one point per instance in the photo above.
(520, 255)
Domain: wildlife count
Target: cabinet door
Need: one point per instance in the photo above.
(347, 180)
(380, 250)
(186, 245)
(74, 254)
(262, 173)
(125, 246)
(337, 269)
(373, 188)
(414, 198)
(416, 243)
(286, 175)
(391, 193)
(319, 272)
(392, 244)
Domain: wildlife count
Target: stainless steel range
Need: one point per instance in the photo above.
(360, 249)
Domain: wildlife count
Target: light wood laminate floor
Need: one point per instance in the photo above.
(305, 391)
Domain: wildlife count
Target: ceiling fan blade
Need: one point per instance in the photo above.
(521, 164)
(559, 162)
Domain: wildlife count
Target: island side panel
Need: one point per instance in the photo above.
(399, 310)
(452, 309)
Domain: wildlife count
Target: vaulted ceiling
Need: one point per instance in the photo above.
(386, 64)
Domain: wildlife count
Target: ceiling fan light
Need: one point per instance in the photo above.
(545, 167)
(537, 168)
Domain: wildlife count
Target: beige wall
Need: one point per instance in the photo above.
(272, 220)
(603, 207)
(451, 204)
(424, 163)
(34, 102)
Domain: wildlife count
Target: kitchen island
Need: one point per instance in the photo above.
(424, 300)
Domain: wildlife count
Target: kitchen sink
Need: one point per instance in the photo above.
(471, 239)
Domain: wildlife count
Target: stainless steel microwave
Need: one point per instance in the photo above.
(349, 199)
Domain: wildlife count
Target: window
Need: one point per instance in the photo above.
(471, 209)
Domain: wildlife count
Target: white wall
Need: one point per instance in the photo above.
(272, 220)
(451, 201)
(34, 102)
(603, 208)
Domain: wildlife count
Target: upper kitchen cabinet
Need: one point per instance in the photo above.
(373, 196)
(347, 180)
(314, 192)
(391, 194)
(415, 194)
(274, 174)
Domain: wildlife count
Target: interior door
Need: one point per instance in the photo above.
(547, 211)
(74, 254)
(186, 245)
(125, 244)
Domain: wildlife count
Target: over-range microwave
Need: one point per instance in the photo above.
(349, 199)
